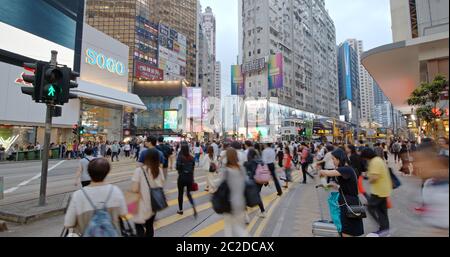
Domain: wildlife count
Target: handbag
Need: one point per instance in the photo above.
(194, 187)
(157, 196)
(252, 197)
(354, 211)
(220, 200)
(127, 228)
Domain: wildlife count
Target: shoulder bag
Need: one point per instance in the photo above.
(353, 211)
(221, 198)
(157, 196)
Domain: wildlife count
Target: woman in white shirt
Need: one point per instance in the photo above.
(95, 196)
(211, 164)
(150, 175)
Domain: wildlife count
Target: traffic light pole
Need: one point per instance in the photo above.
(48, 130)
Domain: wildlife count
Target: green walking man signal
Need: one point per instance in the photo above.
(51, 91)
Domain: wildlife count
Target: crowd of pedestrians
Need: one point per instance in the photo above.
(233, 168)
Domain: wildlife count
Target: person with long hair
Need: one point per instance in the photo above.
(287, 166)
(347, 183)
(149, 175)
(253, 160)
(385, 151)
(235, 177)
(212, 166)
(185, 167)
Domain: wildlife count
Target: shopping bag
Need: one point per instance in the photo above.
(361, 189)
(132, 200)
(335, 212)
(389, 203)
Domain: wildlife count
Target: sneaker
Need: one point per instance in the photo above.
(180, 212)
(262, 215)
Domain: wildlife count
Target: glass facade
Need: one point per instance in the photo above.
(118, 19)
(153, 118)
(101, 123)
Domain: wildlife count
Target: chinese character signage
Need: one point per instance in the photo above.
(255, 65)
(275, 67)
(147, 72)
(237, 81)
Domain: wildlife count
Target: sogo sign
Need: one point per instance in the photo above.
(103, 62)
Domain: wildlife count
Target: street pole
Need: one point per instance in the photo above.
(48, 130)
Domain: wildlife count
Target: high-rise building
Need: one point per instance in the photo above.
(365, 84)
(304, 34)
(182, 16)
(209, 26)
(378, 95)
(348, 72)
(218, 78)
(119, 19)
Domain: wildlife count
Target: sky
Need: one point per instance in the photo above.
(367, 20)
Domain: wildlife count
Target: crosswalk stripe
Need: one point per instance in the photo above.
(175, 218)
(218, 226)
(194, 196)
(263, 224)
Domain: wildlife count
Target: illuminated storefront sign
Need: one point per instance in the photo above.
(103, 62)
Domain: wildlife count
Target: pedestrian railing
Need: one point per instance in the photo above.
(32, 155)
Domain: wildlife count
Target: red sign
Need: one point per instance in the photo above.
(148, 72)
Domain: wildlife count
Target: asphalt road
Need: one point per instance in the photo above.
(290, 215)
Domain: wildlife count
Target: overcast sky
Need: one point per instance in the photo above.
(367, 20)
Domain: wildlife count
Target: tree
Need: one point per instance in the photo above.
(426, 99)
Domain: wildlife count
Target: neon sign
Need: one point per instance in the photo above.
(103, 62)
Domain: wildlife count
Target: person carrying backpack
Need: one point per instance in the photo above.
(254, 167)
(95, 210)
(82, 175)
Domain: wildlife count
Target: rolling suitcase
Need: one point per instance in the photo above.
(322, 227)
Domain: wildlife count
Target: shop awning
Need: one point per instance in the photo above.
(397, 67)
(107, 95)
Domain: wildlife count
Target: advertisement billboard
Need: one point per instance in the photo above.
(171, 119)
(172, 53)
(147, 72)
(237, 81)
(275, 67)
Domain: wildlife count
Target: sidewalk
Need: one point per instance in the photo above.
(295, 215)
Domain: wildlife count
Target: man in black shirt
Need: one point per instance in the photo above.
(167, 151)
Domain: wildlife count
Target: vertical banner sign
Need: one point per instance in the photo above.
(275, 67)
(170, 119)
(237, 81)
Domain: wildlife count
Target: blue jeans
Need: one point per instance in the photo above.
(197, 157)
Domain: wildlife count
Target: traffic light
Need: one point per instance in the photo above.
(52, 83)
(36, 80)
(81, 131)
(68, 81)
